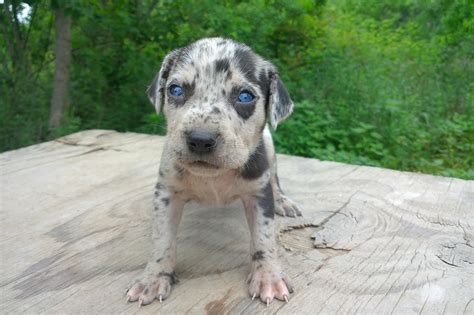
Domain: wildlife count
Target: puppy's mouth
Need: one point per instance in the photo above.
(203, 164)
(203, 168)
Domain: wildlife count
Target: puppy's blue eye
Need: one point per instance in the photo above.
(176, 90)
(246, 97)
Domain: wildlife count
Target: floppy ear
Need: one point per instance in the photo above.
(156, 90)
(280, 105)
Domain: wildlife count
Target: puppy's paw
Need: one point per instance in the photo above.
(284, 206)
(268, 282)
(152, 287)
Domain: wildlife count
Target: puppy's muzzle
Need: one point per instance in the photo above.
(201, 142)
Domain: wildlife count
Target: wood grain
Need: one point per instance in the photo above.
(75, 230)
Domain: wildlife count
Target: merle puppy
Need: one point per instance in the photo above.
(217, 96)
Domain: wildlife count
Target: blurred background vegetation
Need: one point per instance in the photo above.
(377, 82)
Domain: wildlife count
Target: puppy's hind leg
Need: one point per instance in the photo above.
(284, 206)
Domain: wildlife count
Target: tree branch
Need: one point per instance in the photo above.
(8, 39)
(46, 40)
(14, 21)
(34, 9)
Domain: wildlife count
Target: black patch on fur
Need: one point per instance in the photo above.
(244, 110)
(189, 89)
(159, 186)
(258, 255)
(257, 163)
(159, 259)
(282, 93)
(162, 91)
(264, 84)
(222, 65)
(216, 110)
(172, 275)
(166, 201)
(229, 75)
(246, 63)
(266, 202)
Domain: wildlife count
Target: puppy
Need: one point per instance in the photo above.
(217, 96)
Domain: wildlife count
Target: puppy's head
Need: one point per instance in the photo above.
(217, 96)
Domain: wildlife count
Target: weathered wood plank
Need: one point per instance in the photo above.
(75, 231)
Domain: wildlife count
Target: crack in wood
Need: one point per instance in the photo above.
(91, 145)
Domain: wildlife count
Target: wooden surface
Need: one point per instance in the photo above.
(75, 229)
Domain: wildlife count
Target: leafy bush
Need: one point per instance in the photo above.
(387, 96)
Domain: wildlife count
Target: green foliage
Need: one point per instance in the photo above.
(383, 83)
(387, 96)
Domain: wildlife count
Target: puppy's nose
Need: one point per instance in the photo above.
(201, 142)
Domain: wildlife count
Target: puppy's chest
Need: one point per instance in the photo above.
(217, 191)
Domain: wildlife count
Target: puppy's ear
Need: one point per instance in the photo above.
(280, 105)
(156, 90)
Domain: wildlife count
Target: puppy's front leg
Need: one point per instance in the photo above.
(266, 278)
(159, 274)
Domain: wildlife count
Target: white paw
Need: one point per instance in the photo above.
(284, 206)
(152, 287)
(267, 282)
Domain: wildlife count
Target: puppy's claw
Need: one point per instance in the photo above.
(286, 298)
(268, 302)
(253, 296)
(161, 299)
(140, 302)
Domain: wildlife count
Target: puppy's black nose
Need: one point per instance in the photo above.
(201, 142)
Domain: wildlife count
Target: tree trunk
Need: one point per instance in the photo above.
(60, 99)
